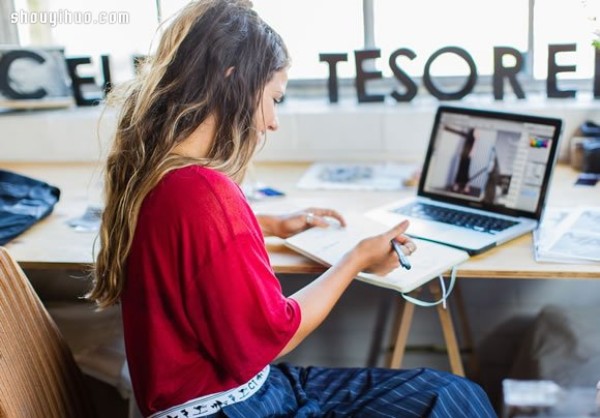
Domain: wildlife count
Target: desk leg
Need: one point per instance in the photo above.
(473, 364)
(402, 324)
(384, 312)
(449, 332)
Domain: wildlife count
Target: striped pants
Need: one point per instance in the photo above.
(362, 392)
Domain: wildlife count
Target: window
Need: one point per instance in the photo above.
(475, 26)
(8, 32)
(119, 29)
(311, 27)
(564, 22)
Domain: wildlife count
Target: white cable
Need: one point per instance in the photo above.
(445, 293)
(443, 287)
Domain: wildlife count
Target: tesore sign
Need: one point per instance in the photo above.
(503, 74)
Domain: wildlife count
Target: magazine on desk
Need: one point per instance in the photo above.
(357, 176)
(328, 245)
(568, 235)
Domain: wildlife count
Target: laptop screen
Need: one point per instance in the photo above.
(490, 160)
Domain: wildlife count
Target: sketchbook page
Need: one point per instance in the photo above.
(578, 236)
(544, 233)
(356, 176)
(328, 245)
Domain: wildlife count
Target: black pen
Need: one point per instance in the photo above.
(401, 256)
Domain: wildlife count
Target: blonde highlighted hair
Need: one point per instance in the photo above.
(186, 82)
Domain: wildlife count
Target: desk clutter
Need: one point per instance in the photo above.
(89, 221)
(23, 202)
(584, 153)
(585, 148)
(358, 176)
(568, 235)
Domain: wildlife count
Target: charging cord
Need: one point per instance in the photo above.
(445, 292)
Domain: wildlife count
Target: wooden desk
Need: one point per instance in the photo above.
(53, 244)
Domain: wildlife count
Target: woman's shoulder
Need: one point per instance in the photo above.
(197, 174)
(197, 178)
(195, 184)
(185, 192)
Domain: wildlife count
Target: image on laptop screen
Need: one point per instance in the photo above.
(500, 162)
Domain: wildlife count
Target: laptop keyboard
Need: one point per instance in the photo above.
(477, 222)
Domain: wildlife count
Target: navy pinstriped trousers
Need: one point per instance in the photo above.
(362, 393)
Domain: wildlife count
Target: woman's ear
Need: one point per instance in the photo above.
(229, 71)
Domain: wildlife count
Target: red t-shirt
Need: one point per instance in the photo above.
(202, 309)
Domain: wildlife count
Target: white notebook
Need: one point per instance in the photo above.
(328, 245)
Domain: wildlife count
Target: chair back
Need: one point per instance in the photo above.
(38, 375)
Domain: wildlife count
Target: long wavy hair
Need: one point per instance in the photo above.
(187, 81)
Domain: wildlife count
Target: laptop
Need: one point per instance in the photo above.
(484, 180)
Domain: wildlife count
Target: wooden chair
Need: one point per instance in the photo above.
(96, 341)
(38, 374)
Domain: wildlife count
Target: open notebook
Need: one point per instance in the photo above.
(328, 245)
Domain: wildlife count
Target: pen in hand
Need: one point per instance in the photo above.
(401, 256)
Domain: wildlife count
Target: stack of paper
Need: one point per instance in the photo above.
(568, 235)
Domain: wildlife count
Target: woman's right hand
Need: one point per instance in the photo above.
(376, 255)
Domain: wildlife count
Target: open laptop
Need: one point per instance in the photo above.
(484, 179)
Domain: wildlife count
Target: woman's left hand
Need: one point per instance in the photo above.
(284, 226)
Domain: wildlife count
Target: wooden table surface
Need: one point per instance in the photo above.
(52, 243)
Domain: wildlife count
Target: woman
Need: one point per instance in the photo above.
(184, 254)
(462, 179)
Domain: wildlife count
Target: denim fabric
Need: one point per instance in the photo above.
(23, 202)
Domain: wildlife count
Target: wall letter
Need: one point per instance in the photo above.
(72, 64)
(500, 72)
(5, 63)
(332, 82)
(468, 85)
(107, 86)
(553, 69)
(362, 76)
(402, 77)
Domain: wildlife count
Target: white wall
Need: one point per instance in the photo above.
(310, 130)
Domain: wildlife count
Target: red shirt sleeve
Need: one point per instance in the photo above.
(250, 321)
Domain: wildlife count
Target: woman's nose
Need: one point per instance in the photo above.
(274, 124)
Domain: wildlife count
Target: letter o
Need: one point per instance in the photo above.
(466, 89)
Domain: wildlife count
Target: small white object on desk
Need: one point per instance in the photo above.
(540, 393)
(357, 176)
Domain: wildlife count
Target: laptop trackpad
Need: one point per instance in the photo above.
(449, 234)
(433, 230)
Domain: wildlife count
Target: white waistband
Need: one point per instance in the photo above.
(213, 403)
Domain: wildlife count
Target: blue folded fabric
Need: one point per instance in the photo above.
(590, 129)
(23, 202)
